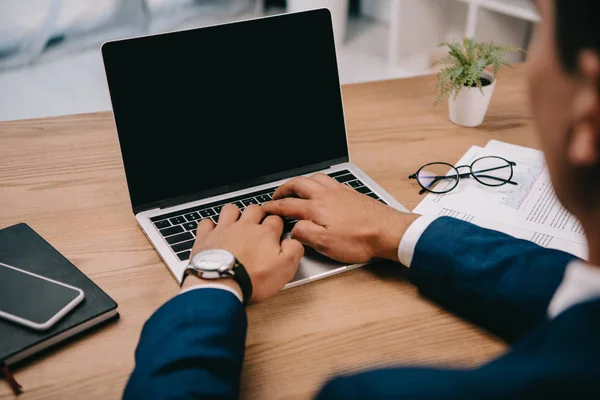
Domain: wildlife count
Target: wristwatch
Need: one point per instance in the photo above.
(218, 264)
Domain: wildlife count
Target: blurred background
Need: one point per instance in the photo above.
(50, 61)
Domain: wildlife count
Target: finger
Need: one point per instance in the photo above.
(204, 228)
(293, 251)
(325, 180)
(289, 207)
(229, 214)
(276, 223)
(254, 214)
(329, 182)
(347, 187)
(309, 233)
(301, 186)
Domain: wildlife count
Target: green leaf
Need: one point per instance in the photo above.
(448, 60)
(465, 63)
(457, 52)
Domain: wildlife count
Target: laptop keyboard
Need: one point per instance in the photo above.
(178, 228)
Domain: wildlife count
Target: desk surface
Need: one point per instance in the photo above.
(64, 177)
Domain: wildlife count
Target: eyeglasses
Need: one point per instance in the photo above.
(440, 177)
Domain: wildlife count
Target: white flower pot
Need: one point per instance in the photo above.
(470, 107)
(338, 9)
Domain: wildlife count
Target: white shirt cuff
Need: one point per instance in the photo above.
(212, 286)
(580, 284)
(411, 237)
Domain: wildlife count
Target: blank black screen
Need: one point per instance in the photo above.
(202, 109)
(30, 297)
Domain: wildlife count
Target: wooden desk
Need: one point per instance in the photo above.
(64, 177)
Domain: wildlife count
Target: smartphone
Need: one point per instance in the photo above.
(34, 301)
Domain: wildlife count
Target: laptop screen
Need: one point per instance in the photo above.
(198, 111)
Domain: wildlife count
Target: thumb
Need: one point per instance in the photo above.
(308, 233)
(292, 250)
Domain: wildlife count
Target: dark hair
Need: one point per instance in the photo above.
(577, 29)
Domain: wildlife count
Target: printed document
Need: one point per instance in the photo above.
(529, 210)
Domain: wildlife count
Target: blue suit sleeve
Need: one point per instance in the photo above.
(504, 284)
(499, 282)
(192, 347)
(556, 360)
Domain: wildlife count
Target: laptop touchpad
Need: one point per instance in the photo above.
(313, 263)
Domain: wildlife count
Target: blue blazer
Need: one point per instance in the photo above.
(193, 346)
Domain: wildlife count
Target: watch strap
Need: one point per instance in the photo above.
(243, 279)
(188, 271)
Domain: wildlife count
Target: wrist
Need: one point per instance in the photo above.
(391, 234)
(192, 280)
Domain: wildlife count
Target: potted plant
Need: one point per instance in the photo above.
(465, 80)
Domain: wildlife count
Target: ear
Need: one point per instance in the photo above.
(584, 147)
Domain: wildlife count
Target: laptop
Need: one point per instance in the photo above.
(226, 114)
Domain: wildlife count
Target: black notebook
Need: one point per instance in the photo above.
(22, 247)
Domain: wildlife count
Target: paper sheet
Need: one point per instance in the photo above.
(529, 210)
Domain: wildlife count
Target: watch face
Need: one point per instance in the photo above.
(213, 260)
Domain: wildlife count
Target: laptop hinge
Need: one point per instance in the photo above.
(241, 185)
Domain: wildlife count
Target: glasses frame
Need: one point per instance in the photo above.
(469, 174)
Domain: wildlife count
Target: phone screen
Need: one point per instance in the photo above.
(30, 297)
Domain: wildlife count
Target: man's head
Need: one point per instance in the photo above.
(564, 86)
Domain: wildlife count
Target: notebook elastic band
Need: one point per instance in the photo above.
(12, 382)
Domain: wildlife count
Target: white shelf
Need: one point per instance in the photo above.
(418, 26)
(522, 9)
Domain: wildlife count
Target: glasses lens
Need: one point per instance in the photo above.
(492, 171)
(438, 177)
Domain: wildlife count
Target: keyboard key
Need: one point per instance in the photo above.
(263, 198)
(209, 212)
(249, 201)
(345, 178)
(215, 218)
(355, 184)
(373, 195)
(177, 220)
(184, 256)
(363, 189)
(162, 224)
(218, 209)
(179, 238)
(338, 173)
(171, 231)
(179, 247)
(239, 204)
(193, 216)
(190, 226)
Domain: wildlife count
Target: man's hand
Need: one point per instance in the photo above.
(339, 222)
(256, 242)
